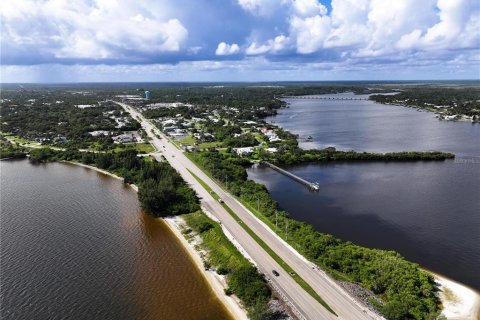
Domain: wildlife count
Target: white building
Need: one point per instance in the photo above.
(245, 151)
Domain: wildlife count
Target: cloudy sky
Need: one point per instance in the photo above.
(238, 40)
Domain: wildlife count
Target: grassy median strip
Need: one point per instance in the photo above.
(265, 247)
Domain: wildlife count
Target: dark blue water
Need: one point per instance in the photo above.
(427, 211)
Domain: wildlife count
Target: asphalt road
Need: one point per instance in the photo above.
(337, 298)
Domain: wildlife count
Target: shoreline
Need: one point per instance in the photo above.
(215, 282)
(105, 172)
(435, 112)
(460, 302)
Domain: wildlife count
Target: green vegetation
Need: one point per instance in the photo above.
(243, 279)
(407, 291)
(10, 150)
(297, 155)
(53, 117)
(208, 145)
(272, 253)
(243, 97)
(245, 140)
(139, 147)
(161, 190)
(449, 101)
(190, 140)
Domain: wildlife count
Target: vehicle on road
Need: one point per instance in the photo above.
(275, 273)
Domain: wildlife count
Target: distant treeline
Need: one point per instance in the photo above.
(161, 190)
(323, 155)
(241, 96)
(457, 100)
(406, 290)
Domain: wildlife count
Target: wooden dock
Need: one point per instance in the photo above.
(311, 185)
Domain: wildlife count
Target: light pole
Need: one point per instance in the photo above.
(276, 220)
(286, 231)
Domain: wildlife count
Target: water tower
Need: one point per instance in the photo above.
(147, 95)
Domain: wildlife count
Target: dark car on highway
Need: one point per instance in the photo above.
(275, 273)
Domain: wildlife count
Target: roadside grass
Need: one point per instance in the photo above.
(242, 277)
(190, 140)
(206, 145)
(221, 252)
(174, 142)
(247, 205)
(265, 247)
(139, 147)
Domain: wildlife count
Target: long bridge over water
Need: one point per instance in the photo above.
(311, 185)
(320, 98)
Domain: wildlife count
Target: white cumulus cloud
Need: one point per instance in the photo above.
(224, 49)
(278, 44)
(261, 7)
(101, 29)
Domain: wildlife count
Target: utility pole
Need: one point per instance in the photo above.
(226, 180)
(286, 231)
(276, 220)
(258, 204)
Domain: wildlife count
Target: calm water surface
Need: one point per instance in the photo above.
(428, 211)
(75, 245)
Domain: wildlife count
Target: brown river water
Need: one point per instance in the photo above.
(76, 245)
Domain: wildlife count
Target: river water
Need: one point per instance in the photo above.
(75, 245)
(427, 211)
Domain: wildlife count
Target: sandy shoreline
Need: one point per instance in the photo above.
(459, 301)
(133, 186)
(216, 282)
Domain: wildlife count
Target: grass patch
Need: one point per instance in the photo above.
(272, 253)
(245, 203)
(242, 277)
(190, 140)
(207, 145)
(18, 140)
(258, 136)
(139, 147)
(222, 253)
(174, 142)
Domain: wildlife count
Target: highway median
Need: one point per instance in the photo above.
(272, 254)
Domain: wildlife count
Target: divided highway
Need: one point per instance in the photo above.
(337, 298)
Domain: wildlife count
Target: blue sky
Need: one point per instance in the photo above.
(238, 40)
